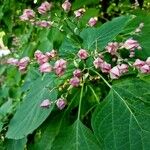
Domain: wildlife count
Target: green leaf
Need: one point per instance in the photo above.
(104, 34)
(76, 137)
(122, 120)
(30, 115)
(68, 49)
(16, 144)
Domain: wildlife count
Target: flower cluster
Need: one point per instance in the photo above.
(60, 103)
(45, 67)
(21, 64)
(45, 7)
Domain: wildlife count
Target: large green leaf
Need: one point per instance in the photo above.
(104, 34)
(30, 115)
(57, 122)
(76, 137)
(122, 120)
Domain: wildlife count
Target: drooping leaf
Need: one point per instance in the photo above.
(104, 34)
(122, 120)
(30, 115)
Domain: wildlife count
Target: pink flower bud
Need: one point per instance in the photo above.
(44, 7)
(112, 48)
(41, 58)
(61, 103)
(13, 61)
(98, 62)
(22, 64)
(60, 66)
(82, 54)
(37, 54)
(24, 61)
(51, 54)
(132, 54)
(46, 67)
(27, 15)
(44, 23)
(148, 61)
(145, 68)
(131, 44)
(46, 103)
(138, 63)
(105, 67)
(66, 6)
(123, 68)
(78, 13)
(75, 81)
(114, 73)
(92, 22)
(77, 73)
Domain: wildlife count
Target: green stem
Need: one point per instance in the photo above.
(97, 99)
(80, 101)
(102, 78)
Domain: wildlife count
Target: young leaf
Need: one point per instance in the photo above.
(122, 121)
(104, 34)
(30, 115)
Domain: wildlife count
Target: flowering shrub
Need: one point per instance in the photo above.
(85, 88)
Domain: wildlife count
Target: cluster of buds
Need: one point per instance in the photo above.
(21, 64)
(142, 66)
(75, 80)
(130, 44)
(66, 6)
(105, 67)
(92, 22)
(45, 7)
(79, 13)
(60, 103)
(43, 60)
(28, 14)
